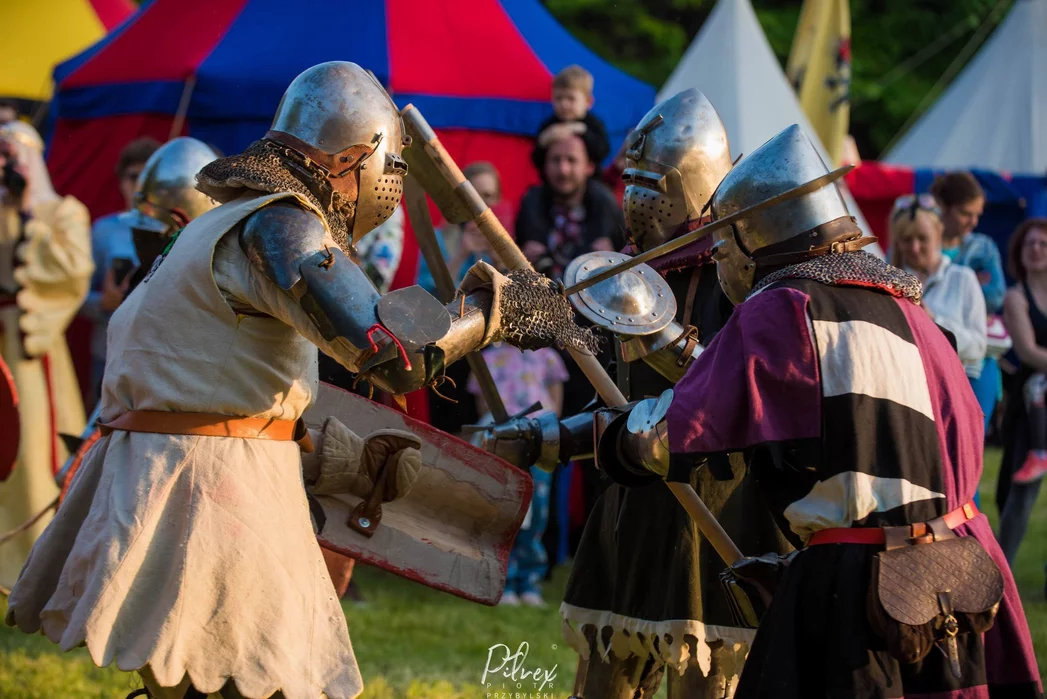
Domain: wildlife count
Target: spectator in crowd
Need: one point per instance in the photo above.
(569, 214)
(962, 201)
(523, 379)
(464, 245)
(461, 246)
(572, 104)
(1025, 422)
(378, 253)
(951, 295)
(45, 270)
(8, 112)
(114, 255)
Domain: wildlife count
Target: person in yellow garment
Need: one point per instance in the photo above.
(45, 270)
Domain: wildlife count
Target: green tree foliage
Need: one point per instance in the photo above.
(901, 48)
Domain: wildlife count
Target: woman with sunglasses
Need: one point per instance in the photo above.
(951, 294)
(1025, 423)
(962, 202)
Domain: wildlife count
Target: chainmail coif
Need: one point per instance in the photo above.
(857, 268)
(536, 314)
(268, 167)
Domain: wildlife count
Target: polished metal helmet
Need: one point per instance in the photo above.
(675, 158)
(166, 197)
(338, 116)
(786, 161)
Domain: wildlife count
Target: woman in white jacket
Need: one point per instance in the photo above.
(952, 295)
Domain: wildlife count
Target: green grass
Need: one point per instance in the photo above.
(1032, 556)
(416, 643)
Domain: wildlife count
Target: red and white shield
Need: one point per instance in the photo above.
(10, 424)
(454, 529)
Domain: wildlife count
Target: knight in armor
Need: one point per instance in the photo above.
(644, 598)
(166, 199)
(865, 441)
(188, 517)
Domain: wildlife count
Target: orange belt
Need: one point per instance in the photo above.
(211, 425)
(876, 535)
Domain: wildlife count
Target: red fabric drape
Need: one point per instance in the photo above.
(93, 146)
(875, 186)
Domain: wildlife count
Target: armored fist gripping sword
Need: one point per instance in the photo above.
(459, 202)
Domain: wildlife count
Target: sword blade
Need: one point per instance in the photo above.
(688, 238)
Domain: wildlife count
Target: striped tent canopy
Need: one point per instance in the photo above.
(38, 35)
(479, 70)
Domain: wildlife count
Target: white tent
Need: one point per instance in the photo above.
(994, 115)
(732, 63)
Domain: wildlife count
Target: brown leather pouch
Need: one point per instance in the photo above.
(927, 590)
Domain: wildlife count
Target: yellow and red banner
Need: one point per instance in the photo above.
(819, 69)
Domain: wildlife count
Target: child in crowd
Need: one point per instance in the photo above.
(572, 102)
(523, 379)
(464, 245)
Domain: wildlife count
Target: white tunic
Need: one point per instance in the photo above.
(193, 558)
(955, 297)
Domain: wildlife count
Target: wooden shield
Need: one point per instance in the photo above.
(454, 529)
(10, 423)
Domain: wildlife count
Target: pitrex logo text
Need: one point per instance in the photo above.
(502, 661)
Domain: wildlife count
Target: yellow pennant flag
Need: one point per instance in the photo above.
(819, 69)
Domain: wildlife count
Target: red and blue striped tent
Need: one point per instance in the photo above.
(479, 70)
(1009, 199)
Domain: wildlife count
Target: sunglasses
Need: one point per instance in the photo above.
(911, 203)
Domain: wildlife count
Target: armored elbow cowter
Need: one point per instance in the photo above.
(633, 448)
(410, 334)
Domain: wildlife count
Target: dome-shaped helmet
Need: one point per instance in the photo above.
(786, 161)
(338, 116)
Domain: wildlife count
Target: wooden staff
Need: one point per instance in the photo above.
(432, 165)
(425, 234)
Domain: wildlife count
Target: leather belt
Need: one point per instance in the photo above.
(877, 535)
(211, 425)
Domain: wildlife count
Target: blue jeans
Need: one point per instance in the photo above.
(987, 387)
(527, 559)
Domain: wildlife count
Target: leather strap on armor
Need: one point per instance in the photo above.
(878, 535)
(692, 292)
(210, 425)
(836, 236)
